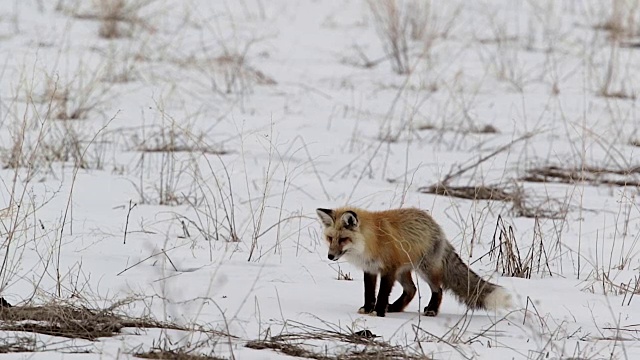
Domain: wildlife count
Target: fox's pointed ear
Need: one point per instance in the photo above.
(326, 216)
(350, 220)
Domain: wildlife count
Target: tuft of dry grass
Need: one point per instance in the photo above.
(17, 345)
(28, 344)
(176, 139)
(236, 65)
(299, 351)
(480, 192)
(487, 129)
(619, 94)
(344, 276)
(522, 205)
(600, 281)
(404, 25)
(113, 12)
(118, 18)
(58, 143)
(174, 355)
(363, 345)
(587, 174)
(70, 321)
(392, 22)
(229, 73)
(506, 253)
(175, 150)
(77, 98)
(623, 20)
(464, 130)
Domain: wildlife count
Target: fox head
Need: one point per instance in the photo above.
(341, 231)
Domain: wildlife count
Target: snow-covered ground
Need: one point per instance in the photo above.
(173, 152)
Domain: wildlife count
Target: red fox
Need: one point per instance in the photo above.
(394, 242)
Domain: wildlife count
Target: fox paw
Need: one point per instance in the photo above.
(364, 310)
(378, 314)
(430, 313)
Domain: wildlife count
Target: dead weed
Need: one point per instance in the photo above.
(72, 321)
(587, 174)
(363, 345)
(480, 192)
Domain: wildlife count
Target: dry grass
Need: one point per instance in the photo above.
(59, 142)
(28, 154)
(362, 345)
(480, 192)
(600, 280)
(393, 25)
(118, 18)
(523, 205)
(77, 98)
(619, 94)
(297, 350)
(405, 25)
(585, 175)
(237, 69)
(177, 139)
(226, 67)
(175, 151)
(506, 253)
(229, 73)
(461, 129)
(174, 355)
(17, 345)
(113, 12)
(623, 20)
(70, 321)
(78, 322)
(344, 276)
(28, 344)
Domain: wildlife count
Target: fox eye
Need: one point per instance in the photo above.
(330, 238)
(343, 239)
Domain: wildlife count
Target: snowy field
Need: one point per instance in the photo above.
(161, 163)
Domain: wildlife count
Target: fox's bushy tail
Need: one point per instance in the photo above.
(470, 288)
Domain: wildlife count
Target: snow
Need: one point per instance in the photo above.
(272, 113)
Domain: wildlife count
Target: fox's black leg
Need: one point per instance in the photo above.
(370, 281)
(408, 292)
(434, 280)
(386, 284)
(434, 304)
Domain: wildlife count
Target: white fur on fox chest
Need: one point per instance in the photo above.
(364, 262)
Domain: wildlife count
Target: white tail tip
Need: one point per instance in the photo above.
(498, 299)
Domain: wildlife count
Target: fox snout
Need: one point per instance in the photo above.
(335, 256)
